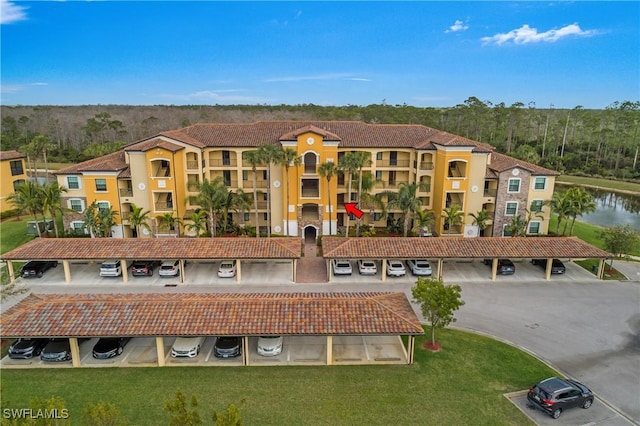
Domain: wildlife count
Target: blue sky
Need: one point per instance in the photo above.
(325, 53)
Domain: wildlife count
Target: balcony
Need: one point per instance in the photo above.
(426, 165)
(490, 193)
(220, 162)
(392, 163)
(161, 206)
(126, 192)
(192, 165)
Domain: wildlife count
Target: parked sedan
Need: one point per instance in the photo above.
(187, 346)
(27, 348)
(555, 395)
(56, 350)
(269, 345)
(341, 267)
(505, 266)
(108, 347)
(419, 267)
(227, 347)
(395, 268)
(367, 267)
(227, 269)
(37, 268)
(557, 267)
(169, 268)
(143, 267)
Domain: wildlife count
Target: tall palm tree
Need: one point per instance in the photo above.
(271, 155)
(169, 222)
(453, 216)
(328, 170)
(254, 159)
(212, 197)
(241, 203)
(106, 219)
(581, 202)
(198, 221)
(363, 158)
(51, 194)
(348, 165)
(28, 198)
(289, 157)
(139, 219)
(91, 219)
(480, 220)
(407, 201)
(560, 205)
(368, 200)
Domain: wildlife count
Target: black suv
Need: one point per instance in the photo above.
(557, 267)
(505, 266)
(36, 268)
(227, 347)
(143, 267)
(555, 395)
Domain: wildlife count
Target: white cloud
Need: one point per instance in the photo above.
(457, 26)
(330, 76)
(218, 96)
(15, 88)
(525, 34)
(10, 13)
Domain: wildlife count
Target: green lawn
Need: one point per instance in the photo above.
(600, 183)
(13, 233)
(462, 384)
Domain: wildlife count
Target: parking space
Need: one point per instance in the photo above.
(598, 414)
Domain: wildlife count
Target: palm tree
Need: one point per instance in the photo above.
(407, 201)
(348, 165)
(106, 219)
(328, 170)
(363, 158)
(198, 221)
(241, 203)
(560, 205)
(51, 194)
(91, 221)
(368, 200)
(28, 198)
(289, 157)
(517, 227)
(254, 159)
(212, 197)
(170, 222)
(480, 220)
(581, 202)
(138, 219)
(270, 154)
(423, 219)
(453, 217)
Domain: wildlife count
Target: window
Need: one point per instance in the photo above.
(379, 156)
(16, 168)
(392, 178)
(393, 158)
(534, 227)
(101, 184)
(246, 217)
(511, 209)
(265, 216)
(514, 185)
(17, 183)
(76, 205)
(505, 231)
(245, 175)
(73, 182)
(540, 183)
(103, 205)
(78, 227)
(265, 196)
(377, 216)
(226, 158)
(264, 175)
(378, 175)
(536, 206)
(226, 175)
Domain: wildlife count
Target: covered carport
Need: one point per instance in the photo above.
(446, 248)
(70, 250)
(343, 326)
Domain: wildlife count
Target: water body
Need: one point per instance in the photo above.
(612, 208)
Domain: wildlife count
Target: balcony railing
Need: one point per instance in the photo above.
(163, 206)
(393, 184)
(192, 165)
(126, 192)
(217, 162)
(192, 186)
(392, 163)
(311, 193)
(248, 184)
(490, 192)
(426, 188)
(426, 165)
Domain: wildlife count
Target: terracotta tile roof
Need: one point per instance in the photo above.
(210, 314)
(125, 174)
(152, 144)
(157, 248)
(458, 247)
(113, 162)
(310, 128)
(500, 163)
(11, 155)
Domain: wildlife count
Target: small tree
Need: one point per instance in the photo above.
(229, 418)
(620, 239)
(437, 301)
(182, 413)
(102, 414)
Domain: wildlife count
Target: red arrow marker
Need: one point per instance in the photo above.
(352, 209)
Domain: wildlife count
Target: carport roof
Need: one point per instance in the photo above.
(210, 314)
(156, 248)
(458, 247)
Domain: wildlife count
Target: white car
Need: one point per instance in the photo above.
(420, 267)
(110, 268)
(169, 268)
(227, 269)
(341, 267)
(395, 268)
(367, 267)
(187, 347)
(269, 345)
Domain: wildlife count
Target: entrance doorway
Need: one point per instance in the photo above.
(310, 235)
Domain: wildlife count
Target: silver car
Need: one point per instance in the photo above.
(367, 267)
(419, 267)
(187, 347)
(341, 267)
(269, 345)
(395, 268)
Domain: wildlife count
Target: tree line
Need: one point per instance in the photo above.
(601, 142)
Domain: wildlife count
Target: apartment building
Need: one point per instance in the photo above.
(13, 172)
(160, 174)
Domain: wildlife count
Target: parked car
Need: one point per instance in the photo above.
(557, 267)
(110, 268)
(395, 268)
(56, 350)
(227, 269)
(555, 395)
(227, 347)
(108, 347)
(367, 267)
(169, 268)
(27, 348)
(187, 347)
(269, 345)
(505, 266)
(341, 267)
(419, 267)
(143, 267)
(37, 268)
